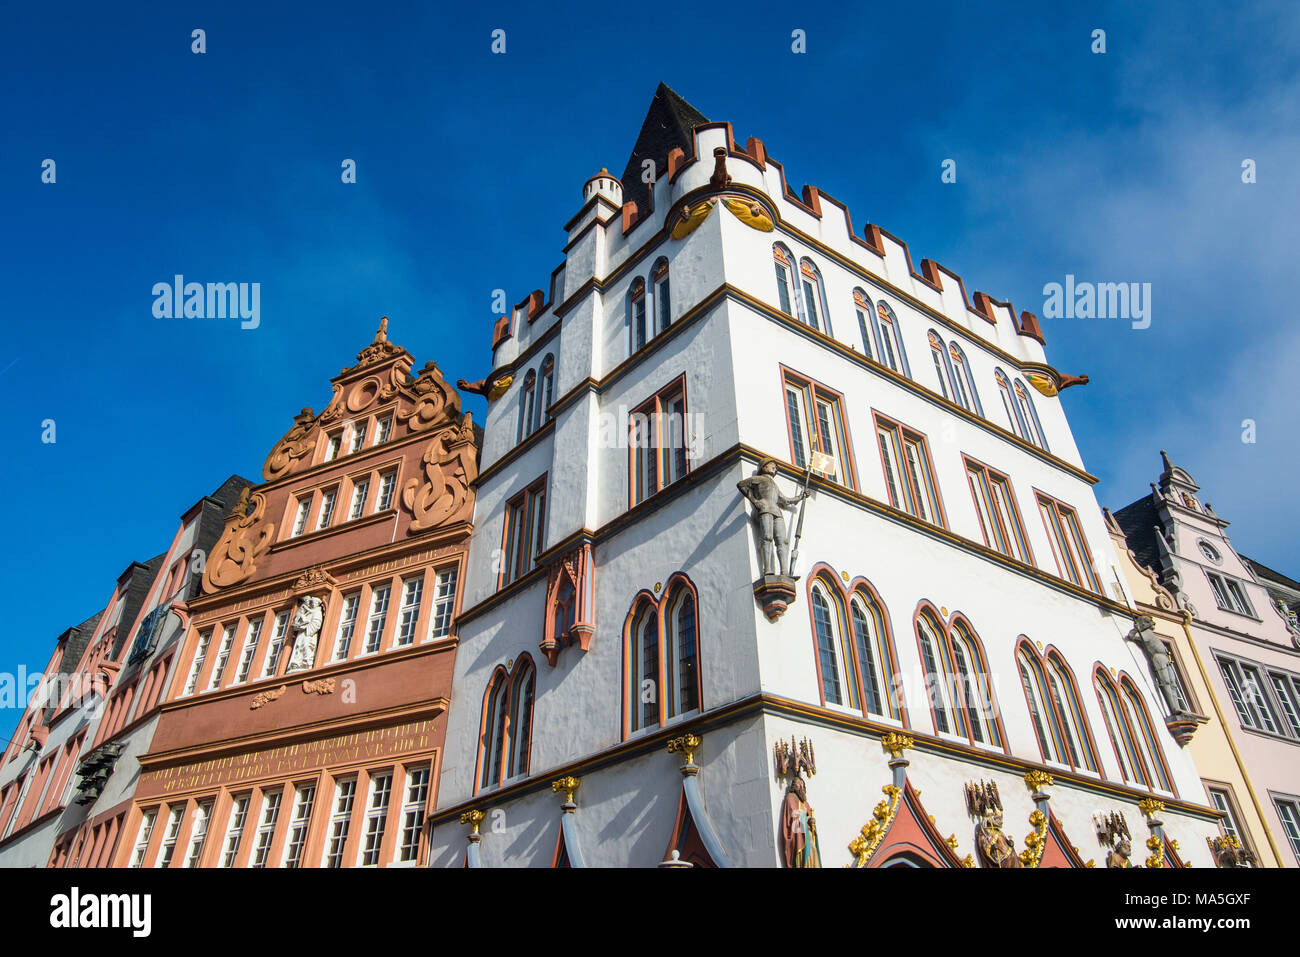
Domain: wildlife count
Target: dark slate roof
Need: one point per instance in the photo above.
(667, 124)
(1266, 573)
(78, 638)
(136, 592)
(1138, 521)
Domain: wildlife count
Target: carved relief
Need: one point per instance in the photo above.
(380, 348)
(335, 408)
(320, 686)
(450, 467)
(261, 700)
(363, 393)
(435, 402)
(299, 441)
(241, 544)
(307, 621)
(570, 613)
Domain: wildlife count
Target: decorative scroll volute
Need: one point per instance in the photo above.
(298, 442)
(435, 402)
(450, 466)
(241, 544)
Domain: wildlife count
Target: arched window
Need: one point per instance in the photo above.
(527, 400)
(1065, 695)
(834, 659)
(961, 696)
(784, 279)
(814, 299)
(546, 394)
(638, 332)
(862, 307)
(890, 339)
(507, 724)
(981, 707)
(1033, 428)
(873, 647)
(1014, 420)
(663, 300)
(1130, 732)
(963, 381)
(643, 668)
(565, 607)
(521, 718)
(683, 672)
(1051, 736)
(941, 371)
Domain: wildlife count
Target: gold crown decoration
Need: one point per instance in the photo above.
(1038, 779)
(686, 744)
(568, 784)
(982, 798)
(473, 818)
(896, 744)
(1111, 829)
(794, 759)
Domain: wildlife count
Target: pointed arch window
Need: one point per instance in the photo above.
(812, 297)
(638, 332)
(663, 297)
(963, 381)
(834, 658)
(889, 338)
(546, 392)
(957, 676)
(875, 655)
(1025, 406)
(1054, 709)
(1065, 695)
(855, 659)
(527, 403)
(662, 657)
(862, 308)
(784, 263)
(940, 359)
(1129, 728)
(1014, 421)
(506, 727)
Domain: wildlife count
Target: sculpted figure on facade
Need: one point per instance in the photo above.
(1162, 666)
(306, 625)
(1119, 855)
(241, 544)
(799, 847)
(992, 847)
(450, 466)
(765, 495)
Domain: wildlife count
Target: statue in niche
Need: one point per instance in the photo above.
(768, 501)
(799, 847)
(992, 847)
(1119, 855)
(306, 625)
(1162, 666)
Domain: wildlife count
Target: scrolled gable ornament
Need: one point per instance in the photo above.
(296, 444)
(450, 464)
(242, 543)
(435, 402)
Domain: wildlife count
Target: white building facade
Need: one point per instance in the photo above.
(615, 604)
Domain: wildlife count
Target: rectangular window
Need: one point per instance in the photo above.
(347, 624)
(265, 828)
(200, 655)
(387, 482)
(358, 437)
(412, 592)
(1229, 822)
(444, 601)
(1220, 591)
(332, 447)
(142, 837)
(657, 442)
(1254, 688)
(818, 434)
(277, 644)
(344, 792)
(378, 615)
(326, 508)
(909, 473)
(525, 516)
(298, 825)
(223, 656)
(1238, 596)
(995, 505)
(1286, 697)
(300, 518)
(1237, 692)
(234, 830)
(250, 650)
(360, 489)
(1289, 811)
(383, 428)
(376, 818)
(1073, 557)
(417, 794)
(198, 834)
(169, 836)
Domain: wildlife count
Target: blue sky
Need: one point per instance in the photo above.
(225, 166)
